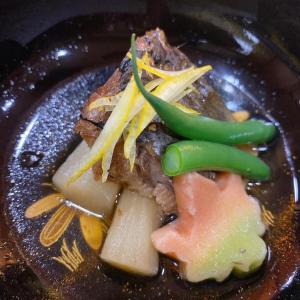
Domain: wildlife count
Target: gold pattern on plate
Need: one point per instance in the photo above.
(267, 216)
(57, 225)
(93, 230)
(44, 205)
(70, 258)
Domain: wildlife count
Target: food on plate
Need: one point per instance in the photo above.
(188, 156)
(127, 110)
(128, 243)
(86, 191)
(200, 127)
(146, 176)
(218, 228)
(157, 139)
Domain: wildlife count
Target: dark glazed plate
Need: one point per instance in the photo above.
(40, 104)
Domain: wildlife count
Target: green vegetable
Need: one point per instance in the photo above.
(188, 156)
(196, 127)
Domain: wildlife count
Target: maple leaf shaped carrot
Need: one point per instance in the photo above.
(217, 231)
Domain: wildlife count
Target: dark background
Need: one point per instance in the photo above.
(21, 21)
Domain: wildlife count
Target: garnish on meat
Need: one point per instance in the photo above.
(130, 104)
(200, 127)
(146, 176)
(110, 124)
(171, 90)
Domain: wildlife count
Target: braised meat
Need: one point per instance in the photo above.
(147, 177)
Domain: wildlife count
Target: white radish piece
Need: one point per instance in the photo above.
(128, 244)
(87, 192)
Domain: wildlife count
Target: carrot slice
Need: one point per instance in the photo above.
(218, 229)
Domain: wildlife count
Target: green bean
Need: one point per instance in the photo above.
(188, 156)
(197, 127)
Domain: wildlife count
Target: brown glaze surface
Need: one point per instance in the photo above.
(40, 104)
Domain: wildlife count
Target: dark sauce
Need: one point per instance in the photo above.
(169, 218)
(31, 159)
(70, 61)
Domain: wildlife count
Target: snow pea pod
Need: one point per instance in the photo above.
(197, 127)
(188, 156)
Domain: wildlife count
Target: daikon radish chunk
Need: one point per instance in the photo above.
(128, 243)
(93, 195)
